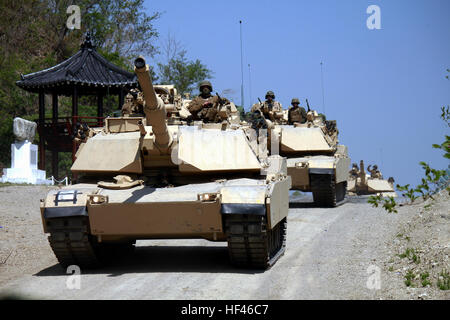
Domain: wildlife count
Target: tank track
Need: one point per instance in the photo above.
(250, 244)
(326, 193)
(71, 242)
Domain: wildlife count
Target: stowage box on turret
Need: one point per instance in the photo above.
(144, 177)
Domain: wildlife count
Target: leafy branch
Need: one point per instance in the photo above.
(434, 180)
(389, 203)
(445, 115)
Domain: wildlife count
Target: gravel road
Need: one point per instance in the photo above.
(331, 254)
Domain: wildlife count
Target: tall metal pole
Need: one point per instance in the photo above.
(242, 67)
(381, 156)
(323, 94)
(250, 85)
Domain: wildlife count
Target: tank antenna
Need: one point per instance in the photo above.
(323, 94)
(381, 157)
(250, 84)
(242, 67)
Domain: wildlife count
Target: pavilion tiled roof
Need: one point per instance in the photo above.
(86, 69)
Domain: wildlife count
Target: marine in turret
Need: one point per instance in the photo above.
(296, 113)
(206, 106)
(271, 109)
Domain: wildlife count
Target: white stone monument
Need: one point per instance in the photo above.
(24, 156)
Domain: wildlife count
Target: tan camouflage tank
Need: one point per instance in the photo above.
(156, 175)
(362, 183)
(316, 162)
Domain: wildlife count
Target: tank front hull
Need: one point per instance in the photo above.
(157, 220)
(371, 186)
(91, 226)
(144, 212)
(301, 169)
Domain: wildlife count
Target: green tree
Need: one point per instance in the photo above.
(242, 115)
(122, 29)
(183, 73)
(34, 36)
(178, 70)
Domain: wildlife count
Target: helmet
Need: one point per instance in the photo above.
(205, 84)
(271, 94)
(295, 100)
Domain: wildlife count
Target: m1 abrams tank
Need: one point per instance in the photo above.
(142, 178)
(362, 183)
(315, 161)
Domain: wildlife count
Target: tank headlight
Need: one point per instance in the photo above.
(98, 199)
(207, 197)
(301, 165)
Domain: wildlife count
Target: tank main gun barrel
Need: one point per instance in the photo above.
(155, 111)
(362, 173)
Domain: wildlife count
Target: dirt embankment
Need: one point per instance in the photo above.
(24, 247)
(421, 250)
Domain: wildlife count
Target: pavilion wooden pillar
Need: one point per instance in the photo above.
(55, 159)
(100, 107)
(121, 98)
(74, 117)
(41, 130)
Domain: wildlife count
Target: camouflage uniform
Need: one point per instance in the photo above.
(206, 107)
(82, 133)
(296, 113)
(256, 120)
(354, 172)
(134, 102)
(268, 108)
(374, 172)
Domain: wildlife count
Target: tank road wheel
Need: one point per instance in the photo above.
(73, 245)
(341, 191)
(326, 193)
(71, 242)
(250, 244)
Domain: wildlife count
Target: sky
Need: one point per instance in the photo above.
(384, 87)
